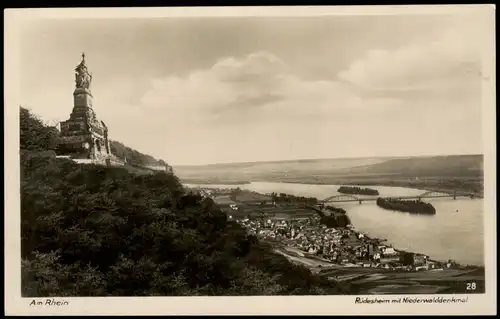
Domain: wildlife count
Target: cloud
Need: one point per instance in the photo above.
(256, 86)
(250, 81)
(256, 67)
(442, 69)
(446, 62)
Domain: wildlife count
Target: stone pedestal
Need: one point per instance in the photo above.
(82, 98)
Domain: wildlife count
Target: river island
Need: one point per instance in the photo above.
(354, 190)
(407, 206)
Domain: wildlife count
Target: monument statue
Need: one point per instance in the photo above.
(82, 76)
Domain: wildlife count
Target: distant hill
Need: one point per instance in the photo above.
(260, 170)
(323, 170)
(456, 165)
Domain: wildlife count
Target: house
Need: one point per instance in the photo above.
(389, 251)
(312, 250)
(423, 267)
(420, 259)
(389, 259)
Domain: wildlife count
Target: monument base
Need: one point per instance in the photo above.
(83, 137)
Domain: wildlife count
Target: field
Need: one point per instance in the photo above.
(224, 200)
(379, 281)
(255, 204)
(251, 197)
(269, 211)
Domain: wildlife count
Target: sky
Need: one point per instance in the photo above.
(218, 90)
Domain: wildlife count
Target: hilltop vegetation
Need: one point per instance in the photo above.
(90, 230)
(34, 135)
(132, 156)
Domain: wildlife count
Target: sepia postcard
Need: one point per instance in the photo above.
(250, 160)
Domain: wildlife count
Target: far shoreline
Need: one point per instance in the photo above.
(365, 184)
(418, 187)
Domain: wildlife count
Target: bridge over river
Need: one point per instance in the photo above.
(429, 194)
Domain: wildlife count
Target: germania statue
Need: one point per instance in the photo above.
(82, 77)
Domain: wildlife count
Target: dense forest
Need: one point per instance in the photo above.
(334, 209)
(334, 221)
(337, 217)
(89, 230)
(357, 190)
(408, 206)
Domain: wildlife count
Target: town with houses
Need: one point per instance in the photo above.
(306, 237)
(338, 246)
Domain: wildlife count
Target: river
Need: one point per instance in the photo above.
(455, 232)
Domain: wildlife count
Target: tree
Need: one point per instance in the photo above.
(407, 259)
(34, 135)
(133, 157)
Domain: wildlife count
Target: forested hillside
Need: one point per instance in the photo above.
(132, 156)
(90, 230)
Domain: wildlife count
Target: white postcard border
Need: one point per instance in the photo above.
(15, 305)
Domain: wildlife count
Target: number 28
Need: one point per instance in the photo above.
(471, 286)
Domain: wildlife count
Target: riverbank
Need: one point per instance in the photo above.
(437, 184)
(214, 182)
(435, 261)
(413, 185)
